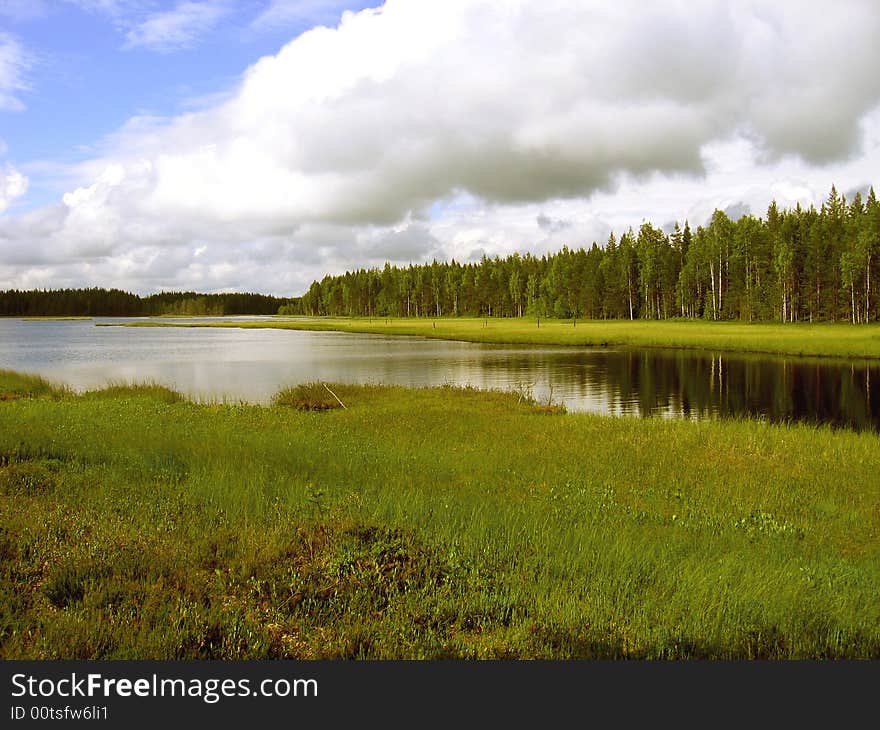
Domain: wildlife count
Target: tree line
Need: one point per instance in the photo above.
(792, 265)
(117, 303)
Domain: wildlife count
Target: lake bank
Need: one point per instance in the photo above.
(211, 364)
(426, 524)
(801, 340)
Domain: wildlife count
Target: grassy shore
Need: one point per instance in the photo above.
(425, 524)
(821, 340)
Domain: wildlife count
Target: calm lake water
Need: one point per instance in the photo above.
(251, 365)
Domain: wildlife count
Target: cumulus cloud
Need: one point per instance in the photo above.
(546, 223)
(401, 244)
(178, 28)
(13, 67)
(398, 107)
(863, 190)
(735, 211)
(12, 185)
(423, 128)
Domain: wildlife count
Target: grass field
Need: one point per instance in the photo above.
(425, 524)
(822, 340)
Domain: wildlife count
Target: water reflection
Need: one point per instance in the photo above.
(253, 364)
(701, 385)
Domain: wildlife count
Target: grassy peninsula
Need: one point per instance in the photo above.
(425, 523)
(818, 340)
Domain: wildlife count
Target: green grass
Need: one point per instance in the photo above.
(15, 385)
(821, 340)
(427, 523)
(309, 397)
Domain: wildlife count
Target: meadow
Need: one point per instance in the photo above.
(432, 523)
(802, 339)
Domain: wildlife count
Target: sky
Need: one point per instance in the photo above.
(257, 145)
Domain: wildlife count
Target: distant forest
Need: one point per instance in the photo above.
(116, 303)
(792, 266)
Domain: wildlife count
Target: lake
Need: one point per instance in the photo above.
(251, 365)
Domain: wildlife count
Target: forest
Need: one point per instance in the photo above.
(116, 303)
(793, 265)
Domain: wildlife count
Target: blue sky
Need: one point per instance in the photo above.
(256, 145)
(84, 81)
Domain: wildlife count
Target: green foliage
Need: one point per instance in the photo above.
(437, 523)
(64, 303)
(799, 265)
(823, 340)
(153, 390)
(67, 584)
(793, 266)
(307, 397)
(762, 523)
(26, 477)
(20, 385)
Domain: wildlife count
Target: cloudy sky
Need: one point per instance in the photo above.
(258, 144)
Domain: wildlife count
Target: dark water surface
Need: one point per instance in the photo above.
(251, 365)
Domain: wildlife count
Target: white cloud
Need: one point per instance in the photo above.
(14, 64)
(181, 27)
(426, 128)
(12, 185)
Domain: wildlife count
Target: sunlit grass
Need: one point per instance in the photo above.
(427, 523)
(15, 385)
(824, 340)
(147, 389)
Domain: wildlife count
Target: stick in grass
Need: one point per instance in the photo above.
(335, 396)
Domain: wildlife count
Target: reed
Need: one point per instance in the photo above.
(427, 523)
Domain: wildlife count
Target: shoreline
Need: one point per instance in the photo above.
(837, 341)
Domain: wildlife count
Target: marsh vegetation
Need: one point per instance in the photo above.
(425, 523)
(816, 340)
